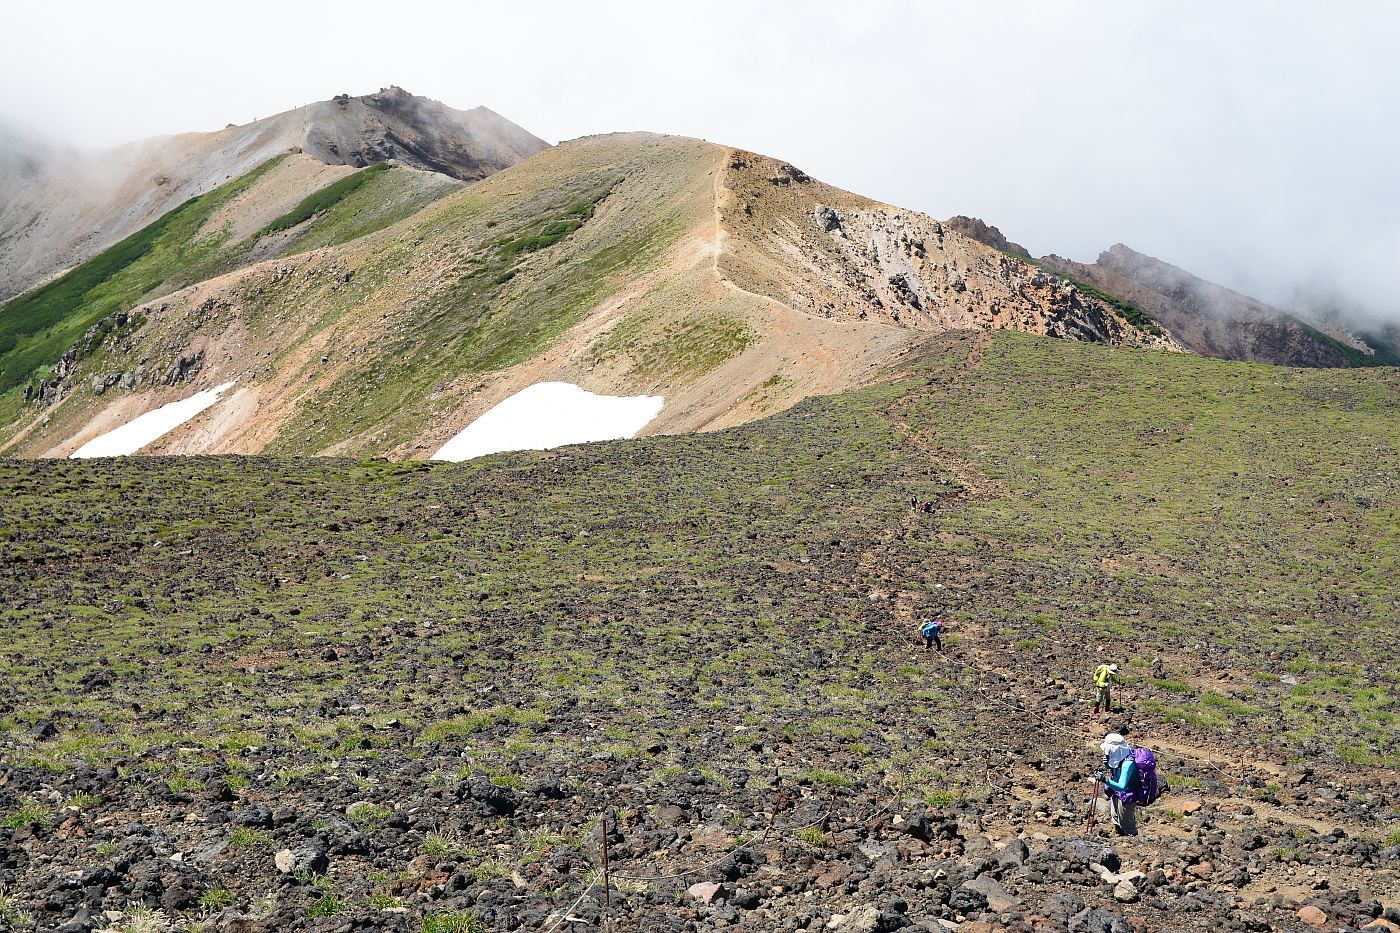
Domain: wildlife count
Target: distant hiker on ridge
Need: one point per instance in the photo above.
(932, 631)
(1105, 676)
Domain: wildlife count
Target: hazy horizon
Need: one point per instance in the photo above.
(1253, 149)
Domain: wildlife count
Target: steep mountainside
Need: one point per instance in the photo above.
(262, 214)
(61, 207)
(1201, 316)
(730, 284)
(833, 254)
(1208, 318)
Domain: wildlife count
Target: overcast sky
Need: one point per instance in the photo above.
(1255, 143)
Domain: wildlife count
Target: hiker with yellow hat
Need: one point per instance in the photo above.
(1105, 676)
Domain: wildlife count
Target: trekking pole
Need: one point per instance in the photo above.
(1093, 809)
(607, 893)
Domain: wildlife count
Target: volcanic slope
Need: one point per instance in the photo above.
(265, 213)
(1201, 316)
(731, 284)
(418, 686)
(63, 206)
(1211, 319)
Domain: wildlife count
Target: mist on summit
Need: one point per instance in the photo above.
(1253, 148)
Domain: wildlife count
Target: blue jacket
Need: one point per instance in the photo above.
(1126, 774)
(930, 627)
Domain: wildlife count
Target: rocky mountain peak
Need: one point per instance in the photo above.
(983, 232)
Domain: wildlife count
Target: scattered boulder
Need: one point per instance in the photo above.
(255, 817)
(1096, 920)
(998, 898)
(1312, 916)
(706, 892)
(828, 218)
(500, 800)
(308, 859)
(869, 919)
(43, 731)
(1013, 853)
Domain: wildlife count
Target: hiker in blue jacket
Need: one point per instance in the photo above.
(931, 631)
(1120, 778)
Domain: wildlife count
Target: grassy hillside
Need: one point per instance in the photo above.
(628, 264)
(391, 337)
(485, 653)
(37, 327)
(176, 251)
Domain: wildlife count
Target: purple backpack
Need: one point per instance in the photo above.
(1145, 789)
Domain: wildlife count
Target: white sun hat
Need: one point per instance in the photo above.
(1111, 742)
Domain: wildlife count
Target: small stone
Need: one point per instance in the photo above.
(703, 891)
(1201, 869)
(1014, 853)
(1190, 807)
(1312, 916)
(304, 858)
(1125, 892)
(44, 731)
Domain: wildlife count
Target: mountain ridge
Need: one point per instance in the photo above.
(716, 277)
(91, 200)
(1206, 318)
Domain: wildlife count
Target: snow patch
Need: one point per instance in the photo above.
(551, 414)
(140, 431)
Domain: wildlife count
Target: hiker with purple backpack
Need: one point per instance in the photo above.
(1129, 778)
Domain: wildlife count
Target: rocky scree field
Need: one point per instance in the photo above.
(328, 694)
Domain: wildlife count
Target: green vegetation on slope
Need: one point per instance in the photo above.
(325, 198)
(1352, 355)
(1387, 353)
(691, 346)
(1179, 501)
(1226, 524)
(38, 326)
(724, 619)
(483, 317)
(384, 198)
(574, 216)
(1126, 309)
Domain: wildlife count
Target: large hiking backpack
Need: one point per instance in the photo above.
(1146, 790)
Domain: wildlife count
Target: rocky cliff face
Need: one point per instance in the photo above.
(983, 232)
(832, 254)
(1207, 318)
(62, 206)
(394, 124)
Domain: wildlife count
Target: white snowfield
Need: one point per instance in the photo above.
(551, 414)
(140, 431)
